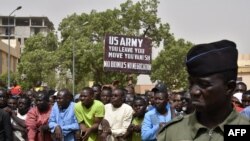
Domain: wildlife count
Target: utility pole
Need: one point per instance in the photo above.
(8, 62)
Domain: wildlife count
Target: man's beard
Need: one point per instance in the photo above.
(3, 105)
(23, 111)
(43, 107)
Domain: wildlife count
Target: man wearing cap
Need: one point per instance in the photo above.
(212, 70)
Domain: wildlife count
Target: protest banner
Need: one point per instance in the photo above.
(127, 54)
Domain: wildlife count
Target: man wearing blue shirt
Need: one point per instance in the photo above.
(157, 117)
(246, 112)
(62, 121)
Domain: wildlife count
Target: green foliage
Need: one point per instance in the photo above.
(169, 66)
(4, 79)
(38, 61)
(85, 33)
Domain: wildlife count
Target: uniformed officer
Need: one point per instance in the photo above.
(212, 70)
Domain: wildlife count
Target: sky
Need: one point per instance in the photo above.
(197, 21)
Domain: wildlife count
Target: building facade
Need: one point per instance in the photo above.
(14, 55)
(244, 68)
(18, 29)
(22, 28)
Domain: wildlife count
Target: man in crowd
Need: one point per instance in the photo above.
(12, 103)
(97, 91)
(118, 117)
(62, 122)
(18, 119)
(129, 99)
(177, 102)
(130, 89)
(187, 107)
(89, 113)
(106, 95)
(246, 99)
(241, 87)
(31, 95)
(15, 90)
(157, 117)
(246, 104)
(3, 98)
(38, 86)
(52, 100)
(5, 126)
(237, 103)
(212, 70)
(150, 95)
(37, 118)
(134, 129)
(76, 98)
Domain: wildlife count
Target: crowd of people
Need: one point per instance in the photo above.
(113, 113)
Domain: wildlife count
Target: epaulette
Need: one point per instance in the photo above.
(174, 120)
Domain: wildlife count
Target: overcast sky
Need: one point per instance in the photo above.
(197, 21)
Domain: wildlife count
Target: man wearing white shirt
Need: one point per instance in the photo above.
(117, 118)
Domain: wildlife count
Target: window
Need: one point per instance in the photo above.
(22, 21)
(20, 40)
(5, 21)
(11, 31)
(36, 22)
(37, 30)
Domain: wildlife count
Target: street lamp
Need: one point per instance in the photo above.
(73, 60)
(19, 7)
(73, 68)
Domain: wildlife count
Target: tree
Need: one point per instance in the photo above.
(4, 79)
(38, 60)
(86, 33)
(169, 65)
